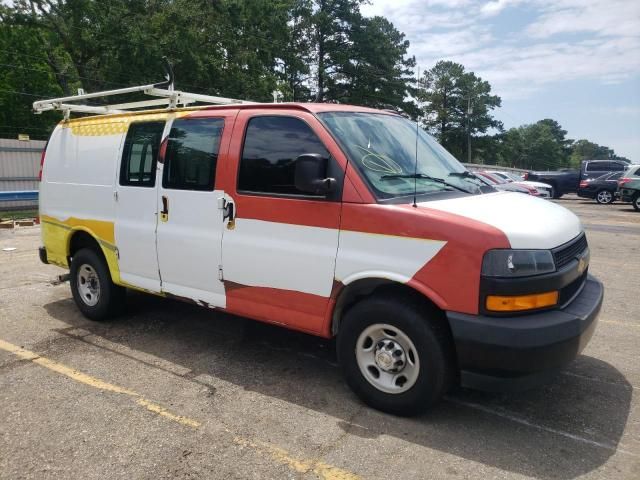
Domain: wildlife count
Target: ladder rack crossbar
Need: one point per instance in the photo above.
(169, 98)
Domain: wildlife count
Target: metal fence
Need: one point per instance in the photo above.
(19, 167)
(479, 166)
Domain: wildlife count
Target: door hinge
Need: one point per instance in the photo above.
(115, 195)
(220, 276)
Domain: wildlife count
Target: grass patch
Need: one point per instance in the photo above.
(16, 214)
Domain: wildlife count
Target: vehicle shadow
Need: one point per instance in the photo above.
(563, 430)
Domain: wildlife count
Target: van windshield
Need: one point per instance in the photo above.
(383, 149)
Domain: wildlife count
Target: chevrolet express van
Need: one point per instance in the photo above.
(324, 219)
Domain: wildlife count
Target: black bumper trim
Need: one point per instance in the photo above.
(42, 252)
(517, 349)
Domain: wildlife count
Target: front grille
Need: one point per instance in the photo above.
(564, 254)
(567, 293)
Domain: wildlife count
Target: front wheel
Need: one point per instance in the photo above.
(395, 354)
(604, 197)
(97, 297)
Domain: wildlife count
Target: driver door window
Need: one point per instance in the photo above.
(272, 144)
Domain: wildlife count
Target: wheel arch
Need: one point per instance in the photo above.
(361, 288)
(81, 237)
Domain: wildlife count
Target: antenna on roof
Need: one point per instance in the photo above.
(415, 169)
(168, 75)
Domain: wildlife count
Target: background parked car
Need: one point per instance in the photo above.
(629, 186)
(630, 174)
(561, 181)
(601, 189)
(630, 192)
(591, 169)
(543, 189)
(500, 184)
(568, 180)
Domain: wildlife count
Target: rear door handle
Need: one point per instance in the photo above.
(164, 214)
(229, 212)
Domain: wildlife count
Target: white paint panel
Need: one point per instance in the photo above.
(367, 255)
(135, 233)
(83, 159)
(189, 245)
(527, 221)
(135, 230)
(78, 176)
(280, 255)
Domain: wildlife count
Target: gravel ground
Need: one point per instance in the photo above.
(173, 391)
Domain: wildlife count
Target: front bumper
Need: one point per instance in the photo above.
(519, 352)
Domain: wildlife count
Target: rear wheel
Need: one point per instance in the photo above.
(636, 202)
(97, 297)
(555, 193)
(604, 197)
(395, 355)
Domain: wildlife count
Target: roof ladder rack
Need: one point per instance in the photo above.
(167, 97)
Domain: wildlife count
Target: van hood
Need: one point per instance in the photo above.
(526, 221)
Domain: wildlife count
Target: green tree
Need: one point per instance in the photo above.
(560, 136)
(586, 150)
(25, 76)
(456, 106)
(374, 69)
(534, 146)
(332, 22)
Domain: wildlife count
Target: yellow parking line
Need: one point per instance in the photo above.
(322, 470)
(152, 407)
(93, 382)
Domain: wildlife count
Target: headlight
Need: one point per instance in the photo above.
(517, 263)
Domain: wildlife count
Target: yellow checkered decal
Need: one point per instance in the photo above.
(112, 124)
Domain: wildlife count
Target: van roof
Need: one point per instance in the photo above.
(307, 107)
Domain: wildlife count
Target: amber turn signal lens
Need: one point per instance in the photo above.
(517, 303)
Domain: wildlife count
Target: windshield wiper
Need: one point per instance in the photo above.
(425, 177)
(465, 174)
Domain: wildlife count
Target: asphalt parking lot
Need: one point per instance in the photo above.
(173, 391)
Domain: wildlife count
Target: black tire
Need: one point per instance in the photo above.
(110, 299)
(555, 192)
(636, 202)
(604, 196)
(424, 326)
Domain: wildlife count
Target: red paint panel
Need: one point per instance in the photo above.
(297, 310)
(451, 279)
(309, 213)
(354, 189)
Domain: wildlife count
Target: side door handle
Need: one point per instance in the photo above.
(229, 213)
(164, 214)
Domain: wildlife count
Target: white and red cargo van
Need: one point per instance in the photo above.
(324, 219)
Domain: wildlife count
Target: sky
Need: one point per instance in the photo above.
(576, 61)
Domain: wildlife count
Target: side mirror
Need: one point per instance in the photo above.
(311, 175)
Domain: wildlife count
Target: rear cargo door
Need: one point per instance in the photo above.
(189, 236)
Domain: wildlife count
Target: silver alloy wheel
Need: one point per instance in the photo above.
(88, 285)
(387, 358)
(637, 202)
(605, 196)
